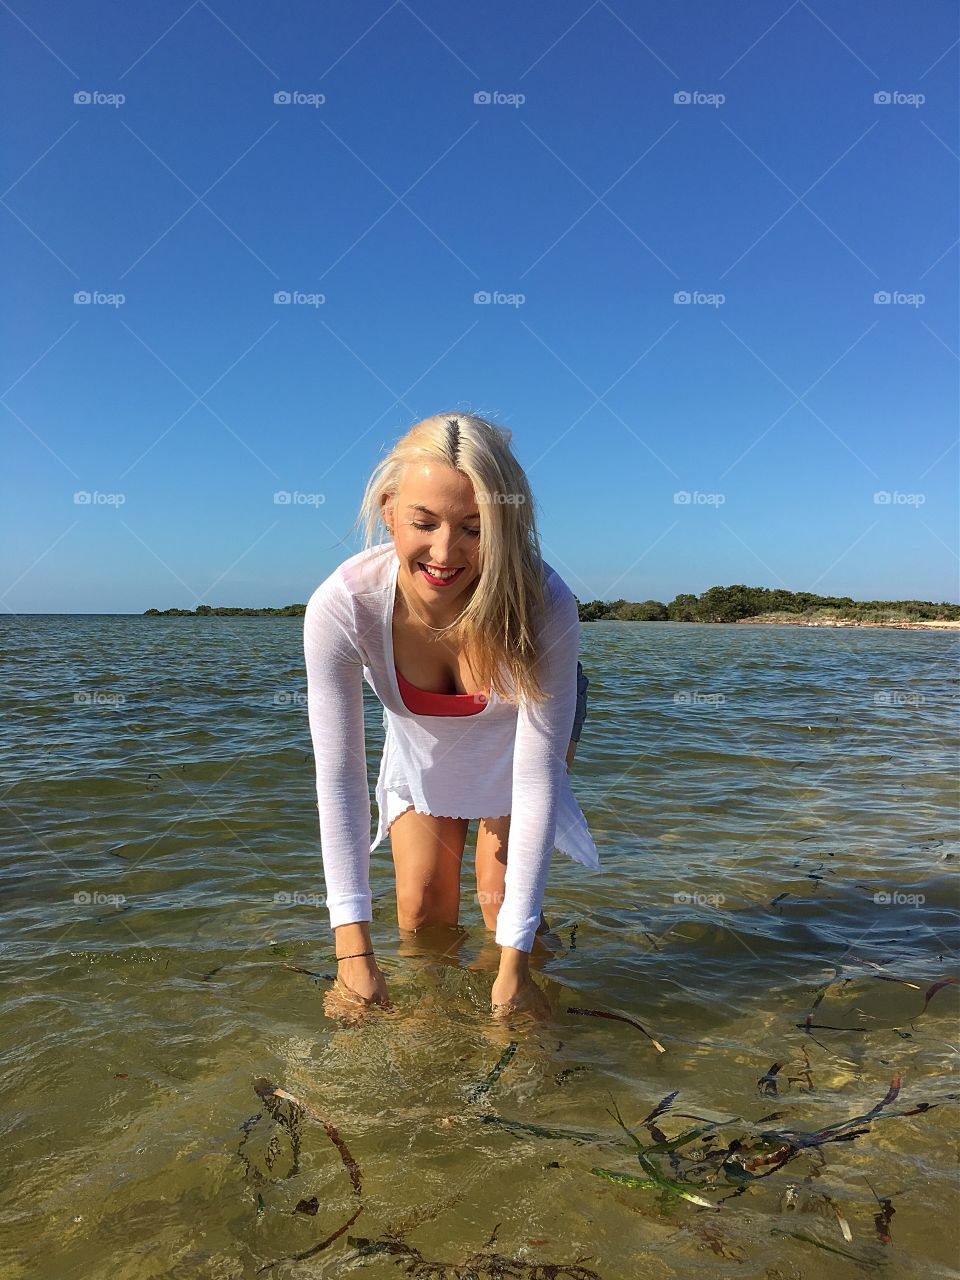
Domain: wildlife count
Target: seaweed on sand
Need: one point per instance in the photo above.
(478, 1090)
(750, 1157)
(654, 1180)
(768, 1083)
(932, 991)
(289, 1112)
(492, 1265)
(808, 1025)
(619, 1017)
(539, 1131)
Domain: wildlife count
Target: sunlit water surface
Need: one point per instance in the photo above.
(750, 790)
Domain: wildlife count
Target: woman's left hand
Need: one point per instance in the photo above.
(516, 992)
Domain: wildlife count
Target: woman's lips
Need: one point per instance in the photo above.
(439, 582)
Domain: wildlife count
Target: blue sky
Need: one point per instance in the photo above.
(582, 198)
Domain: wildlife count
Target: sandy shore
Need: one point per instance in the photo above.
(901, 625)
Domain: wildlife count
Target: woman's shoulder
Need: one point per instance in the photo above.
(365, 572)
(556, 593)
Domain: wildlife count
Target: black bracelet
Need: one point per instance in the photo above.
(354, 957)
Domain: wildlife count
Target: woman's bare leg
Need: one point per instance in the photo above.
(492, 835)
(427, 854)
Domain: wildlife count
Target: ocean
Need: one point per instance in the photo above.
(765, 967)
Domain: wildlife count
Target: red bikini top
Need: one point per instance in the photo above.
(423, 702)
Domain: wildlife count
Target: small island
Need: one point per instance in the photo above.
(738, 603)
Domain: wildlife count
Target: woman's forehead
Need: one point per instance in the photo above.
(434, 485)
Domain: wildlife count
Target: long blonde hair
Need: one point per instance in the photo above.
(498, 629)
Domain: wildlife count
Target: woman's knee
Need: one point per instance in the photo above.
(423, 904)
(427, 853)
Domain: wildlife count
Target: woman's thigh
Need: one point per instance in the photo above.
(427, 854)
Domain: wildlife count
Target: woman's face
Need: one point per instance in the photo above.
(435, 522)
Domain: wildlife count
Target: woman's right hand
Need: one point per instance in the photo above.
(358, 986)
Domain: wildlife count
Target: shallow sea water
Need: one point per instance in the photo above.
(751, 791)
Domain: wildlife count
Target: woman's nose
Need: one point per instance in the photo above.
(443, 547)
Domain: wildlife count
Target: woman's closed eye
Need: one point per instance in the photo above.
(425, 527)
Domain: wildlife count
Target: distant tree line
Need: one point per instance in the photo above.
(718, 604)
(731, 604)
(222, 611)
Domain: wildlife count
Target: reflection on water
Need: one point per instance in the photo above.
(775, 812)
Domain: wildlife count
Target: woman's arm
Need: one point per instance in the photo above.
(335, 712)
(539, 764)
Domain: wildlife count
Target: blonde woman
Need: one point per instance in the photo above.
(469, 640)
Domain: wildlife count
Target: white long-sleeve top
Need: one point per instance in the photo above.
(502, 760)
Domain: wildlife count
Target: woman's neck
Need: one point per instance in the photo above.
(419, 618)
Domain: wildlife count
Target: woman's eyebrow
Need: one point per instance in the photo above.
(416, 506)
